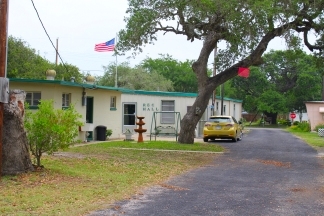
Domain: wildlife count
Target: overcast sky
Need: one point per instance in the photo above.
(80, 24)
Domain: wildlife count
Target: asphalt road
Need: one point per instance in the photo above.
(269, 172)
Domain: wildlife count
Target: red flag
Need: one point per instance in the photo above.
(243, 72)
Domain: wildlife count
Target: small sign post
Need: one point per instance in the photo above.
(292, 116)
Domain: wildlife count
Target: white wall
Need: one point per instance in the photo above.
(102, 115)
(148, 104)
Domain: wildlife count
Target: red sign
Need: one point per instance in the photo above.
(292, 115)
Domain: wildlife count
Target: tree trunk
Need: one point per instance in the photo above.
(273, 117)
(206, 85)
(16, 157)
(190, 120)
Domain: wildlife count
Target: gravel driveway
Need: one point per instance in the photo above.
(269, 172)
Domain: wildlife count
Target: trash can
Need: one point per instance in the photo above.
(321, 132)
(101, 132)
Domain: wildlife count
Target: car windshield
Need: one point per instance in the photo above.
(219, 119)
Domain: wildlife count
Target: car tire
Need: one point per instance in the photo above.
(241, 136)
(235, 138)
(205, 139)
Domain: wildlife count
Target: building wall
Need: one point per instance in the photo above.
(148, 104)
(313, 112)
(102, 115)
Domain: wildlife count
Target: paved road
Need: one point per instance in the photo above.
(270, 172)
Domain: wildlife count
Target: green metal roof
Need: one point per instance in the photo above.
(122, 90)
(63, 83)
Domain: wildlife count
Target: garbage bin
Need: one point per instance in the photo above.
(321, 132)
(101, 132)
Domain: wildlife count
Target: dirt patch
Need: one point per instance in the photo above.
(69, 155)
(298, 190)
(175, 188)
(275, 163)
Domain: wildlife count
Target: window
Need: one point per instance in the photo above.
(113, 103)
(66, 100)
(33, 98)
(224, 110)
(167, 115)
(219, 119)
(129, 114)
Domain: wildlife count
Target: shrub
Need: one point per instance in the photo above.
(302, 126)
(295, 122)
(51, 129)
(108, 133)
(284, 122)
(319, 126)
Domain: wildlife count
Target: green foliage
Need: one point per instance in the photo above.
(302, 127)
(284, 122)
(108, 133)
(180, 73)
(49, 130)
(318, 127)
(295, 122)
(279, 84)
(24, 62)
(134, 78)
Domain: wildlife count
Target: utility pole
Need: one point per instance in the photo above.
(56, 59)
(222, 99)
(4, 83)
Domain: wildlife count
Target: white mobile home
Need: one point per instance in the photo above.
(116, 108)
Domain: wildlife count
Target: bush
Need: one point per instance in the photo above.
(284, 122)
(108, 133)
(295, 122)
(302, 126)
(51, 129)
(319, 126)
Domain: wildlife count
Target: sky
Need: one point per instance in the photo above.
(78, 25)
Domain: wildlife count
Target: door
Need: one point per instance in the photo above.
(89, 116)
(129, 116)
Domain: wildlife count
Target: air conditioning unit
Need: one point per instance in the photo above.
(321, 109)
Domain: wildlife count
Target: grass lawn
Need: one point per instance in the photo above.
(309, 137)
(91, 177)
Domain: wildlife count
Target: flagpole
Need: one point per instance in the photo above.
(116, 65)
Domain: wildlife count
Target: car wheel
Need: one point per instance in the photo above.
(205, 139)
(235, 138)
(241, 136)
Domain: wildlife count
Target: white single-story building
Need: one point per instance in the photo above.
(117, 108)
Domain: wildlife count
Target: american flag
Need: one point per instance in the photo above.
(105, 47)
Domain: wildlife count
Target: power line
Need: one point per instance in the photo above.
(49, 36)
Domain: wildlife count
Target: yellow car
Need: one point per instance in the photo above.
(223, 127)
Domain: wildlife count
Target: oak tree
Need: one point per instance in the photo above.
(281, 84)
(136, 78)
(246, 26)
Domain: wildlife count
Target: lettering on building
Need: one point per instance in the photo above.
(149, 107)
